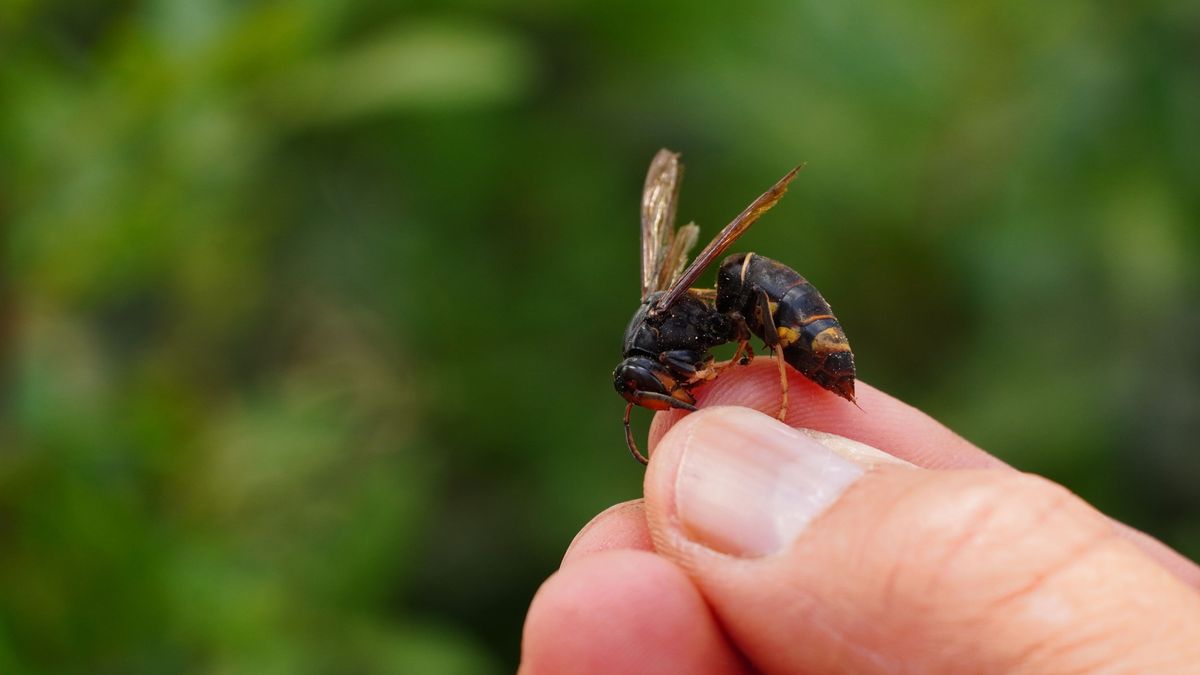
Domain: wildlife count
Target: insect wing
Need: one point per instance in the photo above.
(677, 255)
(659, 199)
(725, 238)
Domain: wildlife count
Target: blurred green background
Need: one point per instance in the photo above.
(308, 309)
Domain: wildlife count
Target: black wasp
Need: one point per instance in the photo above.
(668, 340)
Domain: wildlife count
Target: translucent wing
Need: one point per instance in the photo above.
(724, 238)
(659, 198)
(677, 255)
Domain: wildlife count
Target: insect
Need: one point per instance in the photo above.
(667, 343)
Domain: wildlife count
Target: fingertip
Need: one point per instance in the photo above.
(623, 611)
(621, 526)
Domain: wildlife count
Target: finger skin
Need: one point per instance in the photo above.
(622, 611)
(939, 571)
(619, 527)
(879, 421)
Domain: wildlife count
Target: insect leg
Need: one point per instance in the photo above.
(629, 438)
(771, 337)
(739, 355)
(762, 310)
(744, 352)
(783, 382)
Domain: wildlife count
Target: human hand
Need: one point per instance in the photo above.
(762, 548)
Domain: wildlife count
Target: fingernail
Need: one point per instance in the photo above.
(748, 485)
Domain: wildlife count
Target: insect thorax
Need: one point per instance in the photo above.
(689, 323)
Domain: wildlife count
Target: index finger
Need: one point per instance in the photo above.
(878, 420)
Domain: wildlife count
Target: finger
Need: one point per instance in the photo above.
(882, 422)
(623, 612)
(621, 527)
(818, 563)
(879, 420)
(1171, 560)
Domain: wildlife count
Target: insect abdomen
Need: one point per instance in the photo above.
(812, 338)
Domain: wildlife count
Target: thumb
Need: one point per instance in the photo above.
(819, 554)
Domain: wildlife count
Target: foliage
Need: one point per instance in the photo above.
(309, 308)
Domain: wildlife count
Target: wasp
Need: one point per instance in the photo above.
(668, 343)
